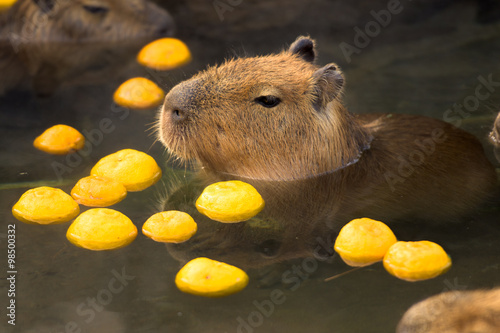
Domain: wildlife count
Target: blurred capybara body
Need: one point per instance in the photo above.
(454, 312)
(54, 41)
(279, 120)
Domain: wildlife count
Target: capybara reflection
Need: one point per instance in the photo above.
(455, 312)
(55, 41)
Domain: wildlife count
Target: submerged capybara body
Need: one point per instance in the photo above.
(280, 119)
(454, 312)
(55, 41)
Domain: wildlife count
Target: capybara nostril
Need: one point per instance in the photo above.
(178, 106)
(174, 110)
(178, 115)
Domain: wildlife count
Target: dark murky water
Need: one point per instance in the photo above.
(428, 58)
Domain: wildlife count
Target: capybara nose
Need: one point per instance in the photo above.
(180, 103)
(166, 29)
(176, 108)
(178, 115)
(163, 22)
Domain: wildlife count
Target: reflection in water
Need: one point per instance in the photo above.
(55, 42)
(301, 218)
(287, 228)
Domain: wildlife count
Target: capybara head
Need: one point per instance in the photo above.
(454, 312)
(274, 117)
(46, 43)
(56, 21)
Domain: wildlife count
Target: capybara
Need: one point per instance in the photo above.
(281, 118)
(278, 123)
(455, 312)
(48, 42)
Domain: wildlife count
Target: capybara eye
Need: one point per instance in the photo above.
(95, 9)
(268, 101)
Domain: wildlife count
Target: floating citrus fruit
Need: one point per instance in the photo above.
(134, 169)
(230, 201)
(139, 93)
(60, 140)
(364, 241)
(164, 54)
(6, 4)
(210, 278)
(170, 227)
(413, 261)
(101, 229)
(97, 191)
(45, 205)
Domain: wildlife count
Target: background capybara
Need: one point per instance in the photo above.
(73, 41)
(455, 312)
(279, 118)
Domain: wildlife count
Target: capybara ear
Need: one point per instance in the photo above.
(304, 47)
(45, 5)
(328, 83)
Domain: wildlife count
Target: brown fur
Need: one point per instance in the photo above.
(54, 41)
(261, 145)
(213, 118)
(454, 312)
